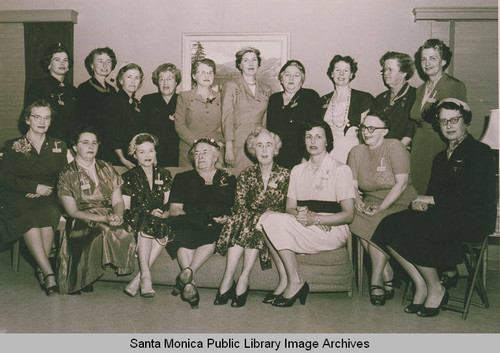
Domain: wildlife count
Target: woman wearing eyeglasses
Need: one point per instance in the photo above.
(89, 190)
(460, 205)
(28, 174)
(380, 169)
(198, 112)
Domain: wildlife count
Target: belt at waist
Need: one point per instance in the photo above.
(321, 206)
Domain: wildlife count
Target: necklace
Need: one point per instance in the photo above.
(334, 108)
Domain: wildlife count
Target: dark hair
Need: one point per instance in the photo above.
(25, 114)
(308, 126)
(208, 141)
(295, 63)
(239, 55)
(404, 60)
(197, 63)
(89, 60)
(454, 104)
(337, 58)
(82, 130)
(437, 44)
(164, 68)
(379, 112)
(139, 139)
(50, 51)
(124, 69)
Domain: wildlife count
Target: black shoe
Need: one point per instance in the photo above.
(389, 293)
(40, 278)
(270, 298)
(52, 289)
(448, 281)
(88, 289)
(190, 294)
(283, 302)
(240, 300)
(430, 312)
(221, 299)
(413, 308)
(186, 276)
(377, 299)
(178, 287)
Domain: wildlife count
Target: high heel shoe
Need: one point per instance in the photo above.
(389, 293)
(221, 299)
(377, 299)
(178, 287)
(40, 278)
(147, 290)
(270, 298)
(186, 276)
(240, 300)
(283, 302)
(449, 281)
(190, 294)
(430, 312)
(413, 308)
(52, 289)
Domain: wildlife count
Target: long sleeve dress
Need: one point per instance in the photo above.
(375, 171)
(287, 121)
(464, 190)
(242, 111)
(145, 199)
(201, 203)
(427, 142)
(159, 118)
(195, 118)
(21, 170)
(89, 247)
(252, 200)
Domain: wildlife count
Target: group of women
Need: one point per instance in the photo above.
(337, 185)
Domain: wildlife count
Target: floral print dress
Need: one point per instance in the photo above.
(252, 200)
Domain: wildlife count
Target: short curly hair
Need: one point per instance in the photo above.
(89, 60)
(404, 60)
(124, 69)
(379, 112)
(239, 56)
(295, 63)
(210, 142)
(437, 44)
(23, 118)
(205, 61)
(164, 68)
(338, 58)
(308, 126)
(454, 104)
(250, 142)
(82, 130)
(139, 139)
(50, 51)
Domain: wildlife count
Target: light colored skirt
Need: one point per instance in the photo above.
(285, 232)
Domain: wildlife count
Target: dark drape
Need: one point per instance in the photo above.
(37, 37)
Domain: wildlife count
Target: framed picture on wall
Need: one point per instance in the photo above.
(221, 48)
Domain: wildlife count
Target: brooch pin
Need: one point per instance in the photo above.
(56, 148)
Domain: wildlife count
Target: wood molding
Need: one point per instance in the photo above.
(455, 14)
(38, 16)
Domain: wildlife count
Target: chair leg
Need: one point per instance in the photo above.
(360, 267)
(475, 264)
(15, 256)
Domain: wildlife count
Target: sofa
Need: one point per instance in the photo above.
(326, 271)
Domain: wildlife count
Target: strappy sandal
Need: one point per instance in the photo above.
(40, 278)
(52, 289)
(389, 293)
(377, 299)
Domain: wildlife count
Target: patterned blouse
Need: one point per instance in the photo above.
(251, 201)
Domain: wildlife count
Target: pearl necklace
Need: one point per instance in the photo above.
(346, 113)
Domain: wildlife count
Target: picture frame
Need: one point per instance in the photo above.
(222, 47)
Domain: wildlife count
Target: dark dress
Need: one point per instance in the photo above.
(144, 200)
(287, 121)
(251, 201)
(465, 209)
(62, 99)
(201, 203)
(398, 114)
(88, 247)
(91, 100)
(123, 121)
(160, 121)
(21, 171)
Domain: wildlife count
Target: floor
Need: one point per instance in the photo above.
(25, 309)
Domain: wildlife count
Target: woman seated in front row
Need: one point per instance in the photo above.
(89, 190)
(261, 187)
(320, 204)
(380, 168)
(459, 206)
(145, 193)
(200, 200)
